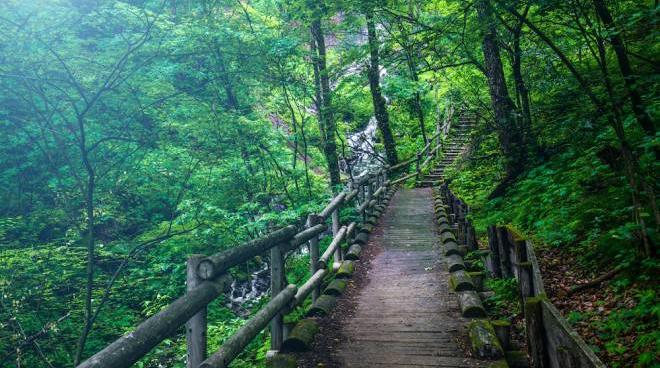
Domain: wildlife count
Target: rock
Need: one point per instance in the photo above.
(451, 248)
(441, 219)
(461, 281)
(302, 336)
(470, 304)
(322, 306)
(335, 288)
(483, 341)
(345, 270)
(362, 237)
(447, 237)
(455, 263)
(353, 253)
(443, 227)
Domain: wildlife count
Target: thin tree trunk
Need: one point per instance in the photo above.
(629, 79)
(324, 101)
(521, 88)
(380, 108)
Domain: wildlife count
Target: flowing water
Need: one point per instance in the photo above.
(362, 144)
(243, 293)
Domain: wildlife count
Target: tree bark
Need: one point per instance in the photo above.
(327, 123)
(504, 110)
(380, 108)
(521, 88)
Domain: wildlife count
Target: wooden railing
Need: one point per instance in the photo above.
(551, 342)
(207, 275)
(431, 151)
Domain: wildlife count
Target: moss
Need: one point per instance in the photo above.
(500, 323)
(483, 340)
(346, 269)
(322, 306)
(335, 288)
(500, 364)
(515, 233)
(302, 336)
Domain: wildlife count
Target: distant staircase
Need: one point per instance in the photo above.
(455, 144)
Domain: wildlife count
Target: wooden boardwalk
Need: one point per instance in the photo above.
(405, 315)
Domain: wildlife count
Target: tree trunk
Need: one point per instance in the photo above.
(521, 88)
(324, 100)
(624, 65)
(380, 109)
(510, 136)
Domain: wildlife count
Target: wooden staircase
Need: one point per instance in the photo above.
(456, 142)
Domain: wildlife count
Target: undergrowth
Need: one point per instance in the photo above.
(576, 203)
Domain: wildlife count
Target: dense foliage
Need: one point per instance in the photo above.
(138, 132)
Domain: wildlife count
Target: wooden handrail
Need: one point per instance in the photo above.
(218, 263)
(211, 279)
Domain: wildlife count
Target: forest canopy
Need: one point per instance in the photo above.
(135, 133)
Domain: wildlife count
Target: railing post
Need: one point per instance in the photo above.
(367, 198)
(494, 255)
(336, 224)
(277, 284)
(313, 253)
(196, 326)
(535, 331)
(417, 165)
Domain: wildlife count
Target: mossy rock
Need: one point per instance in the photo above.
(362, 237)
(335, 288)
(443, 227)
(345, 270)
(322, 306)
(366, 228)
(483, 341)
(448, 237)
(302, 336)
(470, 304)
(451, 248)
(455, 263)
(353, 253)
(461, 281)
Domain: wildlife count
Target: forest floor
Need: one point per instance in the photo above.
(590, 308)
